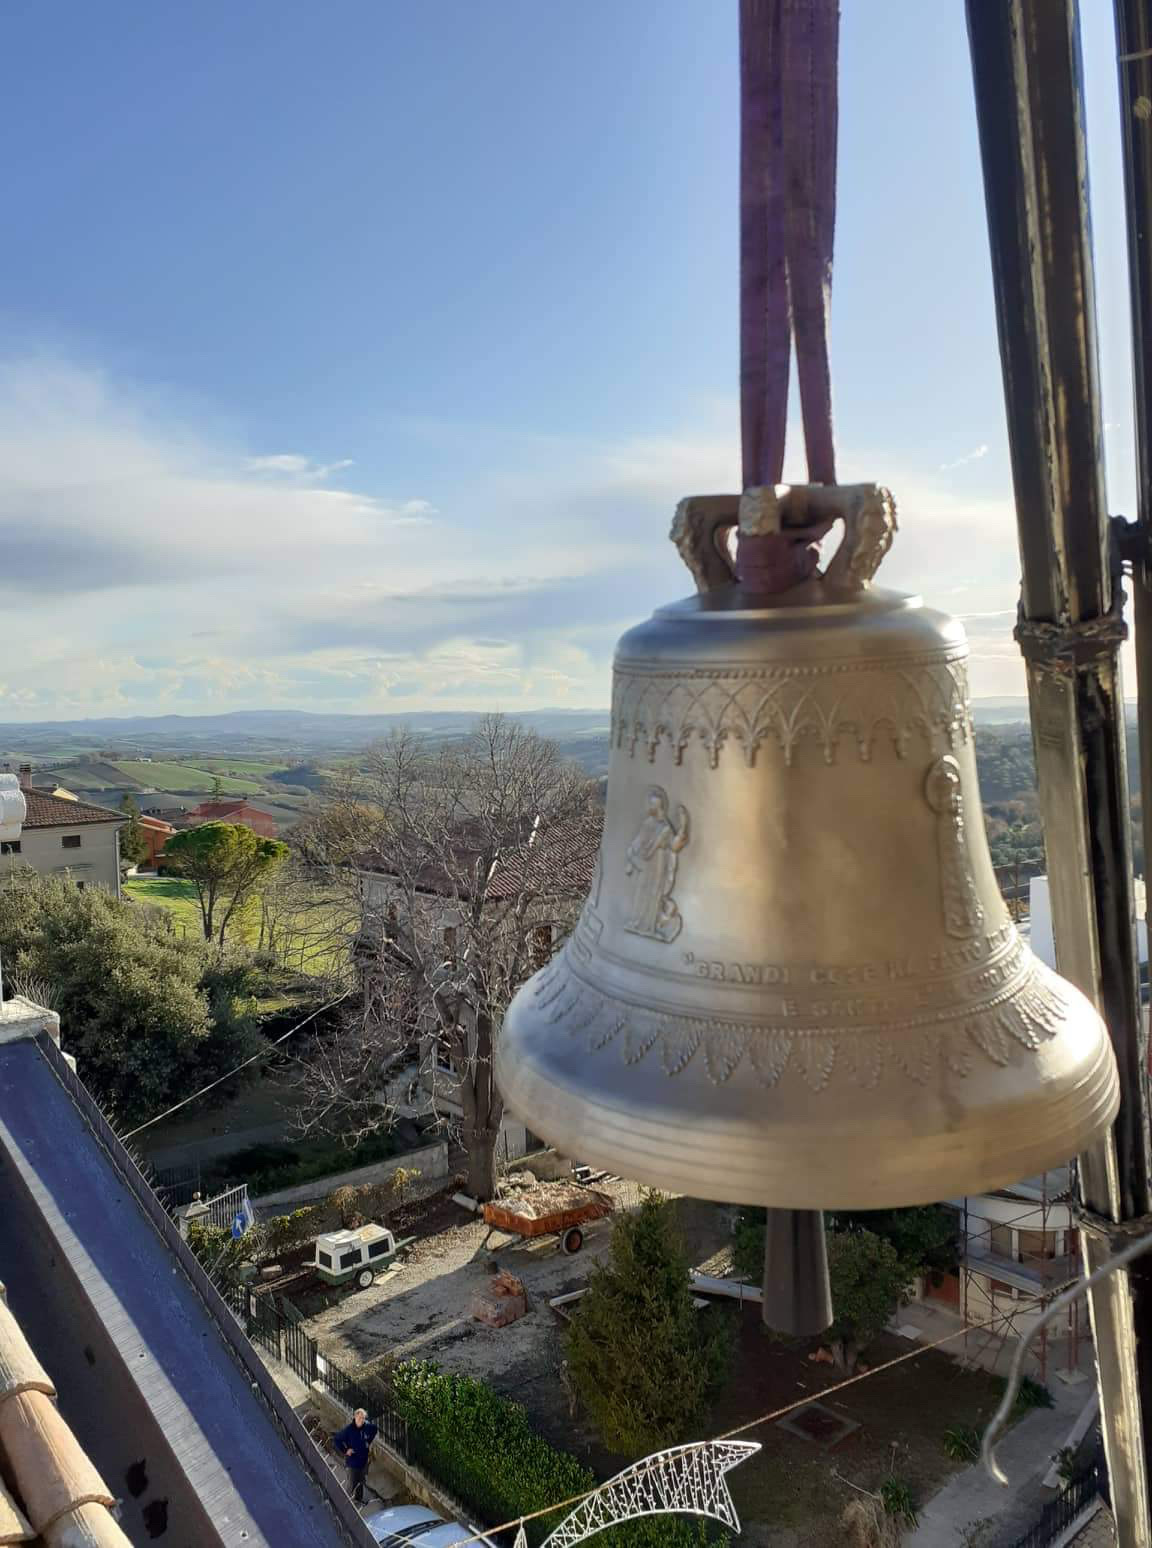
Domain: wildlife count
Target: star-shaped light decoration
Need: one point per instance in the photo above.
(688, 1480)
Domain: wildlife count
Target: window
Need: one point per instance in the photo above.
(378, 1249)
(70, 841)
(324, 1259)
(450, 941)
(10, 847)
(1035, 1246)
(1000, 1241)
(350, 1259)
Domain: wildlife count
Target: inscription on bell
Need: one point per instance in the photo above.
(850, 976)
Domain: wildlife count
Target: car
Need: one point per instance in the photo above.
(398, 1525)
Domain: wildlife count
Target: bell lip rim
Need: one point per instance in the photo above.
(680, 1170)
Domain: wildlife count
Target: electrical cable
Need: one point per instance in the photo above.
(220, 1079)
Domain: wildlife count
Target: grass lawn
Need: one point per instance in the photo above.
(185, 777)
(311, 942)
(902, 1416)
(170, 892)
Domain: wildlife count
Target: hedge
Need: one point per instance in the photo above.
(483, 1449)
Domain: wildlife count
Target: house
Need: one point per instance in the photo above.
(155, 833)
(239, 812)
(1018, 1247)
(427, 1084)
(161, 803)
(61, 836)
(166, 1417)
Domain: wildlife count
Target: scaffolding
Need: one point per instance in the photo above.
(1012, 1265)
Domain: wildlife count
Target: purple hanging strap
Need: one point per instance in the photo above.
(788, 60)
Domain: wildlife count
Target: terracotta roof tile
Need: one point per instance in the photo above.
(89, 1526)
(60, 1495)
(20, 1370)
(14, 1525)
(49, 811)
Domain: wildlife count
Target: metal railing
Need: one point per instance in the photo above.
(224, 1207)
(270, 1328)
(1086, 1486)
(176, 1185)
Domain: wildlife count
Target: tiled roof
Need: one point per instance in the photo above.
(559, 862)
(49, 811)
(570, 855)
(59, 1496)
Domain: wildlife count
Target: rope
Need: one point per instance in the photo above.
(788, 125)
(776, 1413)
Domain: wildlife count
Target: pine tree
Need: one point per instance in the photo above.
(641, 1359)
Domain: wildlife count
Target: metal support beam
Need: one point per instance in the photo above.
(1134, 47)
(1030, 108)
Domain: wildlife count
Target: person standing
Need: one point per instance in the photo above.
(355, 1443)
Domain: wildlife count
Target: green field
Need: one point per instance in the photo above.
(314, 940)
(183, 776)
(253, 766)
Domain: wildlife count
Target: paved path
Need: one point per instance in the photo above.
(950, 1518)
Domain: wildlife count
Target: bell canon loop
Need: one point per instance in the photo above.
(795, 982)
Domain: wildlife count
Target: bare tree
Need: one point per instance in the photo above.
(473, 859)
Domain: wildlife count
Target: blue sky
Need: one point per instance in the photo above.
(354, 357)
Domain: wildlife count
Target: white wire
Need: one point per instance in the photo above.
(212, 1084)
(1000, 1418)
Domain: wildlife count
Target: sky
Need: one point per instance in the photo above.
(354, 358)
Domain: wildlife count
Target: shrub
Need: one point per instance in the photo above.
(483, 1449)
(962, 1443)
(1032, 1394)
(896, 1498)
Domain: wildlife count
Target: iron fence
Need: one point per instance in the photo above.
(270, 1327)
(1086, 1486)
(176, 1185)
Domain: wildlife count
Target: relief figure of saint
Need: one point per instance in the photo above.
(651, 858)
(943, 790)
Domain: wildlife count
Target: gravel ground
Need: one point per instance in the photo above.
(422, 1308)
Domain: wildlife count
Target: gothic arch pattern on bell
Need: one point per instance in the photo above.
(1016, 1021)
(861, 704)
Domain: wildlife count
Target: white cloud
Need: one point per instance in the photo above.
(294, 466)
(148, 565)
(975, 455)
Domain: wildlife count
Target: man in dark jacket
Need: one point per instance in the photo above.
(355, 1442)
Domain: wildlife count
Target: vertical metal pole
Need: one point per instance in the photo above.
(1134, 47)
(1030, 109)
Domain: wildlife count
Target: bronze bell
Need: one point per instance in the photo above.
(795, 982)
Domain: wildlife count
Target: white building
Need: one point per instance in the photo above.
(58, 836)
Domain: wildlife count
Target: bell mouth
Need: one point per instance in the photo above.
(806, 1133)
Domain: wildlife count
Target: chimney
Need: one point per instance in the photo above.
(25, 775)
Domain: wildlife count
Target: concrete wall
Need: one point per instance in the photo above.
(547, 1165)
(96, 863)
(431, 1161)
